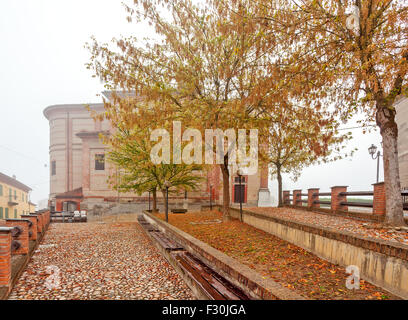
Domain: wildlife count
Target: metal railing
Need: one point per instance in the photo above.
(291, 199)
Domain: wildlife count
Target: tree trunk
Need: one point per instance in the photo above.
(154, 193)
(225, 193)
(389, 131)
(279, 174)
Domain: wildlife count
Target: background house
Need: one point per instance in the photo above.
(14, 198)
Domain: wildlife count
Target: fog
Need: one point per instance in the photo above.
(42, 61)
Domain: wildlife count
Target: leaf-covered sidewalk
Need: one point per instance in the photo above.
(363, 229)
(285, 263)
(99, 261)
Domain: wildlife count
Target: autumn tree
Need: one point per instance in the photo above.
(212, 66)
(347, 56)
(131, 148)
(200, 72)
(287, 143)
(139, 175)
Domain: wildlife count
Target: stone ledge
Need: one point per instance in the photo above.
(348, 214)
(383, 263)
(389, 248)
(19, 264)
(240, 275)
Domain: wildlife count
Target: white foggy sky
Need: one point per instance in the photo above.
(42, 59)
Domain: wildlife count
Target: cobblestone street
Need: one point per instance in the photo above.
(112, 260)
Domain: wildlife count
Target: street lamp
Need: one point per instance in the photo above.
(167, 185)
(211, 197)
(239, 173)
(372, 151)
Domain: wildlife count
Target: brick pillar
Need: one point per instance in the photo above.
(40, 226)
(34, 227)
(44, 216)
(286, 199)
(37, 219)
(48, 215)
(311, 198)
(336, 199)
(264, 177)
(297, 197)
(5, 257)
(42, 222)
(23, 237)
(379, 199)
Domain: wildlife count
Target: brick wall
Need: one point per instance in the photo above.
(5, 257)
(34, 227)
(311, 198)
(379, 199)
(40, 224)
(297, 197)
(23, 236)
(336, 199)
(286, 198)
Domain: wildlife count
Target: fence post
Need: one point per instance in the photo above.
(286, 199)
(297, 197)
(40, 225)
(23, 237)
(336, 198)
(5, 257)
(379, 199)
(33, 228)
(312, 196)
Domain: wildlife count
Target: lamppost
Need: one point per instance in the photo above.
(372, 151)
(167, 185)
(239, 173)
(211, 197)
(149, 201)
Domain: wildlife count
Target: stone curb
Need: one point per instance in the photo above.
(239, 274)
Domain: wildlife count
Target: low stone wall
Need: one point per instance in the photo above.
(98, 210)
(382, 263)
(13, 263)
(251, 282)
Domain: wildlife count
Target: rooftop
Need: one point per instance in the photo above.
(72, 107)
(13, 182)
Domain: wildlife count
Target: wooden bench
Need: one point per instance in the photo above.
(215, 286)
(167, 243)
(179, 211)
(146, 225)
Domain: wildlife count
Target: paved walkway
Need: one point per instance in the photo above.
(368, 230)
(111, 260)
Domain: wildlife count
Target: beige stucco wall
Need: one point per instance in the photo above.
(65, 147)
(402, 120)
(21, 198)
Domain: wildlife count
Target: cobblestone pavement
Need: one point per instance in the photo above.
(111, 260)
(365, 229)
